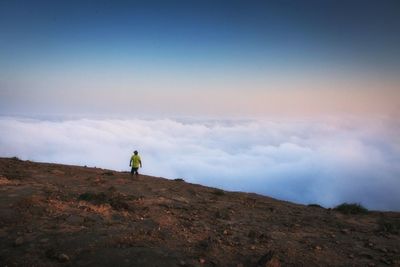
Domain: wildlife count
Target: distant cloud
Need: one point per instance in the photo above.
(308, 161)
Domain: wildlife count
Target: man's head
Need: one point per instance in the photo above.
(135, 152)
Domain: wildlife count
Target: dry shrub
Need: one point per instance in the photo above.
(352, 208)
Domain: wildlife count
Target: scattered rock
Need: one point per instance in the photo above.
(385, 261)
(383, 250)
(63, 257)
(205, 244)
(117, 217)
(345, 231)
(9, 216)
(252, 234)
(58, 172)
(265, 259)
(118, 203)
(94, 218)
(222, 214)
(51, 253)
(370, 244)
(274, 262)
(366, 255)
(19, 241)
(44, 240)
(175, 224)
(5, 181)
(74, 219)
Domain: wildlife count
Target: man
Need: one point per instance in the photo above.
(135, 162)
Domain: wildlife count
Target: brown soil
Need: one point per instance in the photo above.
(59, 215)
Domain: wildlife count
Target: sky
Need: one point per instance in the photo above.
(237, 58)
(282, 98)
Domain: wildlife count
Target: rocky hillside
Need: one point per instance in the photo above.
(59, 215)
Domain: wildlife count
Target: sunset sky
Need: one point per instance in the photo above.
(295, 99)
(210, 58)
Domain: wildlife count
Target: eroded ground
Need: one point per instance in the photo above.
(59, 215)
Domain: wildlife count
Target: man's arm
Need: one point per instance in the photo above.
(130, 162)
(140, 161)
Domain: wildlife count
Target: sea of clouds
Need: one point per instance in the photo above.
(326, 161)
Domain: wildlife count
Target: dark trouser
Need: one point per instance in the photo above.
(134, 171)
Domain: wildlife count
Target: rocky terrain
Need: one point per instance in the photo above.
(59, 215)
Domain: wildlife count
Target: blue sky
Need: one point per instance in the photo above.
(138, 49)
(255, 33)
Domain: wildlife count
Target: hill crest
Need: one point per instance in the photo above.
(53, 214)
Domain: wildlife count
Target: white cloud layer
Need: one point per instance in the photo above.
(307, 161)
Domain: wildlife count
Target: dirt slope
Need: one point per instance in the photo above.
(59, 215)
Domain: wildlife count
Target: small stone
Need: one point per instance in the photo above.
(63, 257)
(182, 263)
(351, 256)
(371, 264)
(3, 233)
(318, 248)
(345, 231)
(252, 234)
(94, 218)
(383, 250)
(75, 219)
(385, 261)
(274, 262)
(366, 255)
(225, 232)
(44, 240)
(202, 261)
(19, 241)
(253, 247)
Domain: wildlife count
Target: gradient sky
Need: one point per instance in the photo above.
(299, 100)
(219, 58)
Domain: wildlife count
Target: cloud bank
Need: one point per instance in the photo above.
(324, 161)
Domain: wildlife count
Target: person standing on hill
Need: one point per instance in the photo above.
(135, 162)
